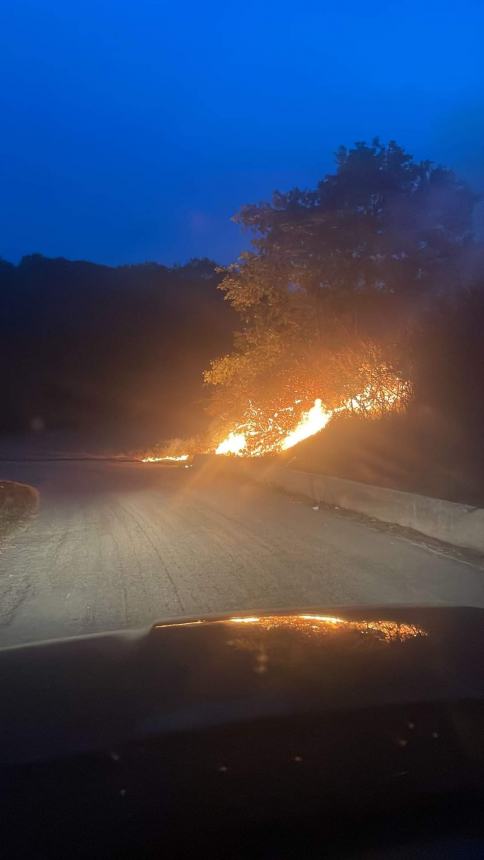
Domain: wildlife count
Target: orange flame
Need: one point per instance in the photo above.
(180, 459)
(234, 443)
(257, 436)
(311, 422)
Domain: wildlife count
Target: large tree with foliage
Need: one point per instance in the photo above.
(332, 269)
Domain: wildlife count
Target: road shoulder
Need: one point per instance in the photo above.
(17, 503)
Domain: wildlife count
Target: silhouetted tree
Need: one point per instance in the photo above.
(343, 263)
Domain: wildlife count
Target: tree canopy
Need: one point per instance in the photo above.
(337, 268)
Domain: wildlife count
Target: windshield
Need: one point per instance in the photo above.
(242, 306)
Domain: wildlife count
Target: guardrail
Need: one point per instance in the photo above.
(457, 524)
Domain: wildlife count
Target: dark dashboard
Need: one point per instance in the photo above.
(347, 732)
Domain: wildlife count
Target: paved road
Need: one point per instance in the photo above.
(121, 545)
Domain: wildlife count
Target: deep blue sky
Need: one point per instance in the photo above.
(134, 129)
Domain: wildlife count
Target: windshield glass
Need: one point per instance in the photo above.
(242, 306)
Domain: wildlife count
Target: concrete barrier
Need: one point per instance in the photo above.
(457, 524)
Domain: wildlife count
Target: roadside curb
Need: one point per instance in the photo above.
(451, 522)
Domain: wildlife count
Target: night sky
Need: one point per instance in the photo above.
(132, 130)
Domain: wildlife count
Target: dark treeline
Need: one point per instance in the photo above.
(85, 346)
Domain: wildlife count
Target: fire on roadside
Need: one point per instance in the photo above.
(310, 423)
(167, 459)
(257, 436)
(234, 443)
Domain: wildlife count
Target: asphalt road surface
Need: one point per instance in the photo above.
(118, 545)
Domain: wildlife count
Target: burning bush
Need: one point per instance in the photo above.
(171, 451)
(328, 293)
(359, 381)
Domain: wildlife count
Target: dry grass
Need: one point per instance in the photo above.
(17, 503)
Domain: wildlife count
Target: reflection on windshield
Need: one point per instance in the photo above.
(317, 625)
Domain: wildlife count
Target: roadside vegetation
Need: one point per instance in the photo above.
(17, 503)
(368, 293)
